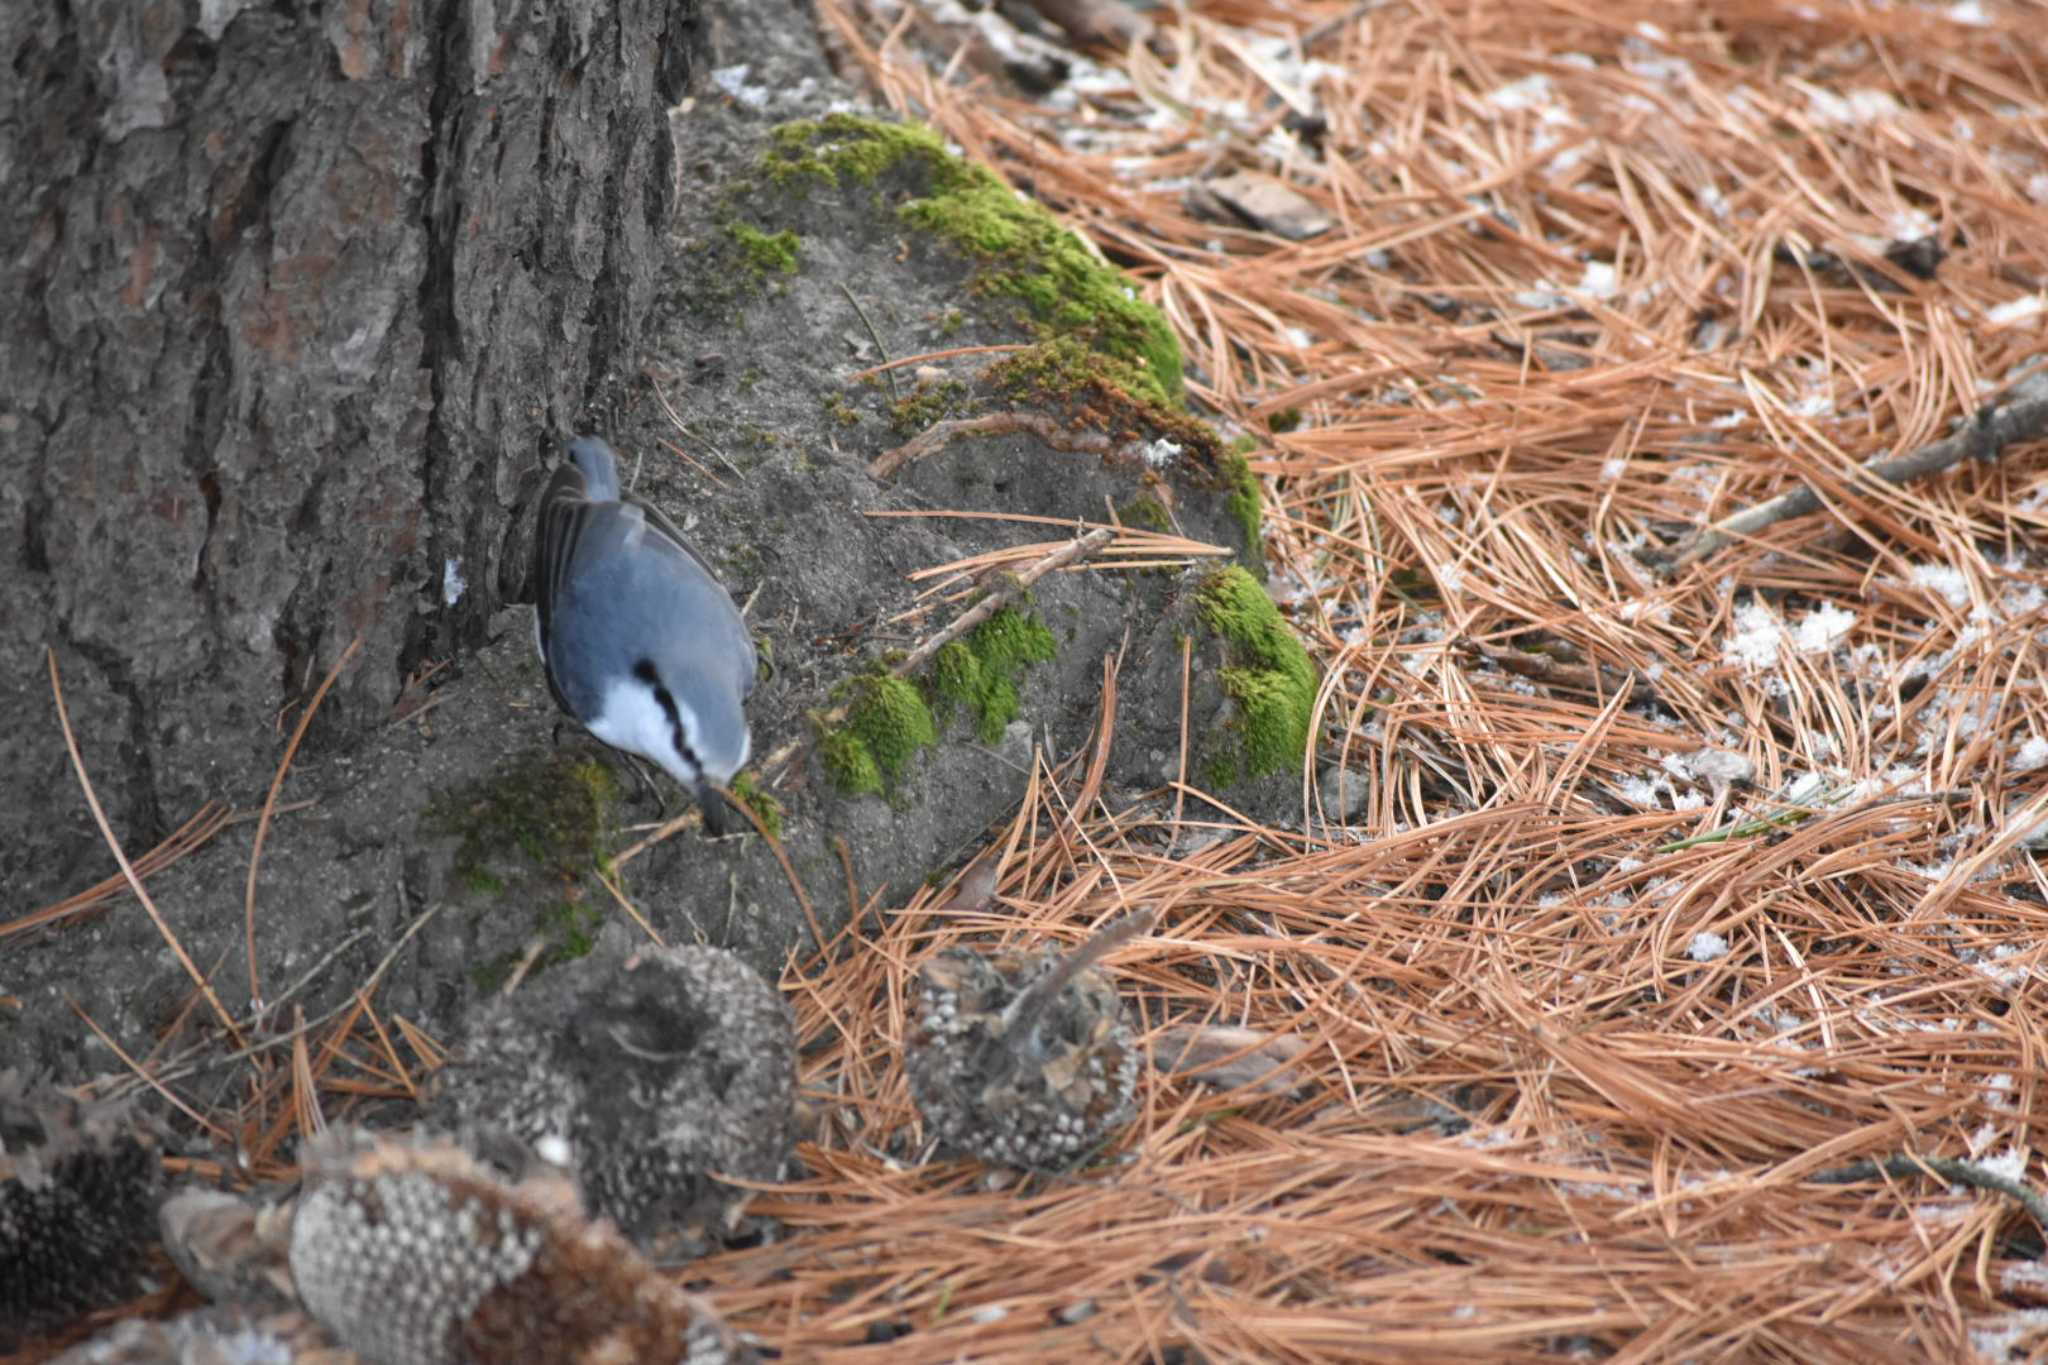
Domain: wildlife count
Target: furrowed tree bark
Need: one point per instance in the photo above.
(295, 295)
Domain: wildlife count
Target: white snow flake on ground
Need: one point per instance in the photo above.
(1161, 453)
(1944, 579)
(1599, 280)
(1821, 627)
(1755, 642)
(1705, 947)
(1530, 92)
(2017, 310)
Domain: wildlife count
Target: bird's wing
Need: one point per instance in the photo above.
(665, 531)
(568, 517)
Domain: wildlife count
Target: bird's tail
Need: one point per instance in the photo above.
(600, 468)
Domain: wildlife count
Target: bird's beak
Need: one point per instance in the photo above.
(717, 819)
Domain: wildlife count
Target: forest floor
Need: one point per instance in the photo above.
(1653, 968)
(1688, 871)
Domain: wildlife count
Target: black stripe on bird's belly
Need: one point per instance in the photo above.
(644, 671)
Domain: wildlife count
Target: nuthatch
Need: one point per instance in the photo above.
(640, 642)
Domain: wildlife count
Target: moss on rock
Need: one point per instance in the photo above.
(1269, 676)
(1102, 393)
(531, 834)
(1145, 513)
(1244, 503)
(983, 670)
(849, 764)
(764, 253)
(554, 810)
(925, 405)
(887, 723)
(1026, 254)
(755, 798)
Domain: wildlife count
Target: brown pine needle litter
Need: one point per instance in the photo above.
(1651, 899)
(1660, 930)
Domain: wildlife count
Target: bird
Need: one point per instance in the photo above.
(641, 644)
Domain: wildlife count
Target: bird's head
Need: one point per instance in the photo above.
(707, 736)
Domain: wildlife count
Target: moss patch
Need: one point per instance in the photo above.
(841, 411)
(531, 833)
(551, 810)
(849, 764)
(1103, 393)
(1269, 675)
(927, 404)
(766, 808)
(887, 723)
(842, 148)
(568, 929)
(1244, 503)
(1025, 253)
(765, 253)
(1147, 514)
(982, 670)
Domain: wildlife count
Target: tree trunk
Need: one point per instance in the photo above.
(296, 294)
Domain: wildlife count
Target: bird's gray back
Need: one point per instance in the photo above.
(631, 593)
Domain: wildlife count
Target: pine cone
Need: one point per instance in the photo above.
(656, 1072)
(78, 1190)
(1025, 1059)
(412, 1254)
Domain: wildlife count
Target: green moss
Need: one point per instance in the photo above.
(845, 147)
(1244, 502)
(925, 405)
(1147, 514)
(1010, 642)
(887, 723)
(956, 673)
(1026, 254)
(1270, 677)
(531, 833)
(1285, 420)
(849, 764)
(566, 929)
(890, 717)
(766, 808)
(1064, 284)
(841, 411)
(764, 253)
(981, 672)
(1102, 393)
(572, 928)
(552, 810)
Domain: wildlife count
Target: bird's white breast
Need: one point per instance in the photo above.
(630, 718)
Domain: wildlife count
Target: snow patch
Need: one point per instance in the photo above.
(1705, 947)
